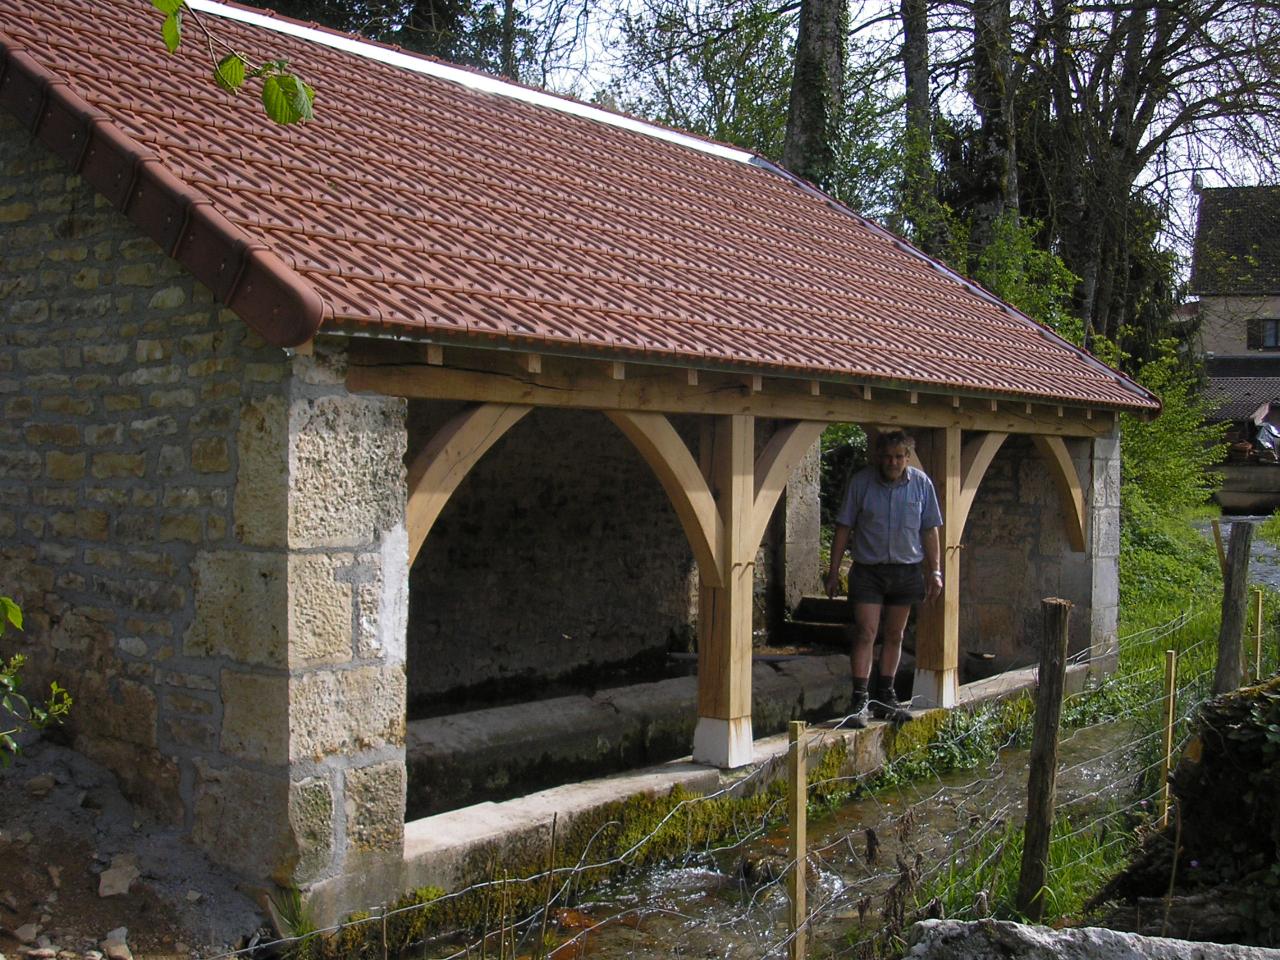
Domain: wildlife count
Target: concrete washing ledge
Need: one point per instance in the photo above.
(440, 849)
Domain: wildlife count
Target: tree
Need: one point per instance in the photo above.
(816, 102)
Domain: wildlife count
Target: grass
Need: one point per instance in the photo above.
(1170, 600)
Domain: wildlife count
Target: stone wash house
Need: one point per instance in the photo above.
(455, 391)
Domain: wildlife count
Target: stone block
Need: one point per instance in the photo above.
(241, 820)
(262, 481)
(255, 716)
(345, 711)
(181, 526)
(210, 455)
(241, 605)
(64, 466)
(68, 406)
(311, 820)
(347, 466)
(374, 806)
(168, 298)
(111, 465)
(320, 610)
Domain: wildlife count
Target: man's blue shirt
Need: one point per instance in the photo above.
(887, 519)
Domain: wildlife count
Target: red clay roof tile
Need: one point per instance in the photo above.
(418, 205)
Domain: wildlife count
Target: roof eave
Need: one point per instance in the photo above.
(267, 294)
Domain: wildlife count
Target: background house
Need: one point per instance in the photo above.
(1236, 275)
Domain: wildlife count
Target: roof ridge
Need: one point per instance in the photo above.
(472, 79)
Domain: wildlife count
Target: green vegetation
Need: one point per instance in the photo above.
(17, 712)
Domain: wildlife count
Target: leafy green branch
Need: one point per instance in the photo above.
(17, 713)
(285, 98)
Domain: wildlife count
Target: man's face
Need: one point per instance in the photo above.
(892, 462)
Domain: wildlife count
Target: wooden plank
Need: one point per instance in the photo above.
(445, 461)
(1070, 491)
(667, 391)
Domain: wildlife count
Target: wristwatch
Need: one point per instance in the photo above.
(938, 574)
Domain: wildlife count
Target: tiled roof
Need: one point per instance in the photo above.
(1237, 250)
(421, 204)
(1238, 398)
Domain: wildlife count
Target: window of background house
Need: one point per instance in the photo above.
(1263, 334)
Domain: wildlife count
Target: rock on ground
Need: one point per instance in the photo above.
(983, 939)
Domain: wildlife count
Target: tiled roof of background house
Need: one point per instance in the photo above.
(1237, 249)
(1239, 398)
(421, 204)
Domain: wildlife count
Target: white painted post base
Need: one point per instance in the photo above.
(934, 688)
(723, 743)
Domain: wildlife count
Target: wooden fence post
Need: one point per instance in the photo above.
(1170, 705)
(1257, 635)
(798, 808)
(1043, 776)
(1217, 541)
(1230, 670)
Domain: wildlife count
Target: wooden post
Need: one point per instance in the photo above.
(1230, 670)
(1257, 635)
(797, 807)
(1170, 705)
(1222, 554)
(1043, 776)
(722, 737)
(937, 682)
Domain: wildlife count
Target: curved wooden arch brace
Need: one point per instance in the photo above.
(668, 456)
(1067, 480)
(784, 451)
(975, 458)
(447, 458)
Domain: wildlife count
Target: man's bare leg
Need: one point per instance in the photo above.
(885, 702)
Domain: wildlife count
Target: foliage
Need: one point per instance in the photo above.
(1029, 277)
(17, 713)
(285, 98)
(1269, 529)
(1165, 461)
(844, 450)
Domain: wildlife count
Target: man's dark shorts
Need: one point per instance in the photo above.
(888, 584)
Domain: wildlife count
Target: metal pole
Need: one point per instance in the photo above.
(798, 804)
(1170, 705)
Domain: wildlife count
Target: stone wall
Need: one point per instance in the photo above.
(1016, 553)
(206, 536)
(559, 553)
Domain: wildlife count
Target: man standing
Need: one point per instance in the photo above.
(889, 520)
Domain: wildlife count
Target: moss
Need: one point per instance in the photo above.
(909, 740)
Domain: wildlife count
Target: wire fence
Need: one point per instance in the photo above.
(932, 834)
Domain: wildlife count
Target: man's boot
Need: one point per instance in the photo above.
(858, 715)
(885, 705)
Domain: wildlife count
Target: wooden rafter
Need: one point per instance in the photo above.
(447, 458)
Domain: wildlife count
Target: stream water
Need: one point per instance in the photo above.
(731, 903)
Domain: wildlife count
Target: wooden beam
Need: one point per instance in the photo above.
(691, 377)
(1067, 480)
(618, 370)
(665, 390)
(784, 451)
(435, 355)
(975, 458)
(448, 456)
(531, 362)
(668, 456)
